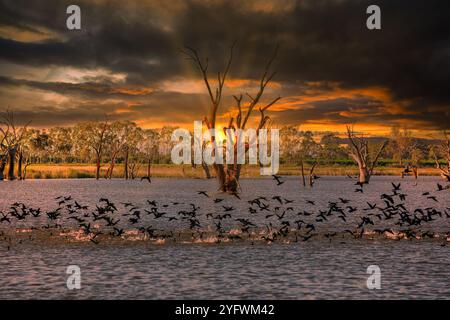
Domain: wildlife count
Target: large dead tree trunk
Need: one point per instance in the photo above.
(228, 175)
(12, 162)
(3, 161)
(19, 165)
(359, 151)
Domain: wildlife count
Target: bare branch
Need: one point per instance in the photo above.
(385, 143)
(263, 83)
(193, 55)
(221, 77)
(355, 152)
(271, 103)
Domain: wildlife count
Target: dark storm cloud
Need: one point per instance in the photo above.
(86, 89)
(174, 111)
(111, 38)
(360, 110)
(320, 41)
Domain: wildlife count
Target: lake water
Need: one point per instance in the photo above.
(179, 262)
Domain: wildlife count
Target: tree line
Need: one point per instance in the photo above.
(92, 142)
(106, 143)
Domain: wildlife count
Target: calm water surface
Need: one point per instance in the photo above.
(316, 269)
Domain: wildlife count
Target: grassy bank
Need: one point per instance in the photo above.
(65, 171)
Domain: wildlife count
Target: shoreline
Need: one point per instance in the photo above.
(86, 171)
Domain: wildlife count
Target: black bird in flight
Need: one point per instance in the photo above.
(277, 179)
(371, 206)
(127, 204)
(152, 203)
(118, 232)
(203, 193)
(306, 238)
(396, 186)
(278, 198)
(5, 218)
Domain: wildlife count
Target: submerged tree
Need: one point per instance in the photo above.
(3, 150)
(134, 134)
(228, 175)
(359, 151)
(300, 148)
(148, 147)
(444, 152)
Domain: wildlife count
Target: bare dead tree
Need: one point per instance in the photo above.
(26, 164)
(148, 177)
(359, 151)
(312, 176)
(445, 150)
(303, 172)
(148, 147)
(3, 150)
(229, 175)
(11, 140)
(215, 98)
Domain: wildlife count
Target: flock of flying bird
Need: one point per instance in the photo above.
(268, 218)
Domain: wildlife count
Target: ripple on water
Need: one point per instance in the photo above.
(311, 270)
